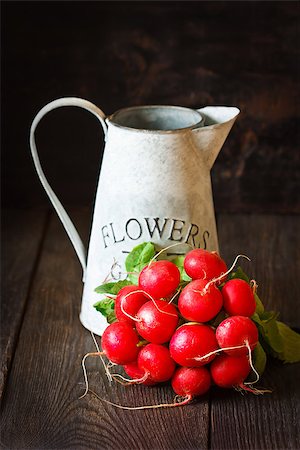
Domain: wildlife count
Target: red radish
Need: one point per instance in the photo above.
(130, 301)
(133, 370)
(159, 279)
(192, 341)
(191, 381)
(119, 343)
(201, 264)
(199, 304)
(229, 371)
(238, 298)
(157, 321)
(237, 331)
(155, 360)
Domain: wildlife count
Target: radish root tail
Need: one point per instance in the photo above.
(131, 380)
(178, 401)
(253, 390)
(106, 366)
(151, 298)
(250, 383)
(207, 355)
(253, 286)
(167, 248)
(215, 280)
(173, 297)
(85, 372)
(123, 310)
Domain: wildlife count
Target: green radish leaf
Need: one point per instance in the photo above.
(269, 331)
(291, 344)
(239, 273)
(256, 319)
(178, 261)
(107, 308)
(259, 359)
(134, 278)
(259, 305)
(137, 259)
(112, 288)
(269, 316)
(141, 254)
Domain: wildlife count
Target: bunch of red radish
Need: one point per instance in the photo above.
(165, 333)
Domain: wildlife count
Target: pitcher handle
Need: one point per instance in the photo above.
(62, 214)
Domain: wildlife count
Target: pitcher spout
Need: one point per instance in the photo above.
(218, 121)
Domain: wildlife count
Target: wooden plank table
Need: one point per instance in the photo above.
(42, 343)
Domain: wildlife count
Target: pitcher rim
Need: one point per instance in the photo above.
(111, 117)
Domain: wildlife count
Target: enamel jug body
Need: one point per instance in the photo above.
(154, 185)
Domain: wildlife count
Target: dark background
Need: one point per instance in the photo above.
(119, 54)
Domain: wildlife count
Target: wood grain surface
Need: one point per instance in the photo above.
(41, 408)
(269, 421)
(273, 245)
(22, 234)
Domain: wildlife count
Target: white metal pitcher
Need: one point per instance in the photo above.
(154, 186)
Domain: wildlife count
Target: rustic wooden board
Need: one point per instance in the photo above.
(271, 421)
(272, 243)
(22, 233)
(41, 408)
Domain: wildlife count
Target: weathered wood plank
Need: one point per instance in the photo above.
(41, 408)
(22, 233)
(269, 421)
(272, 242)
